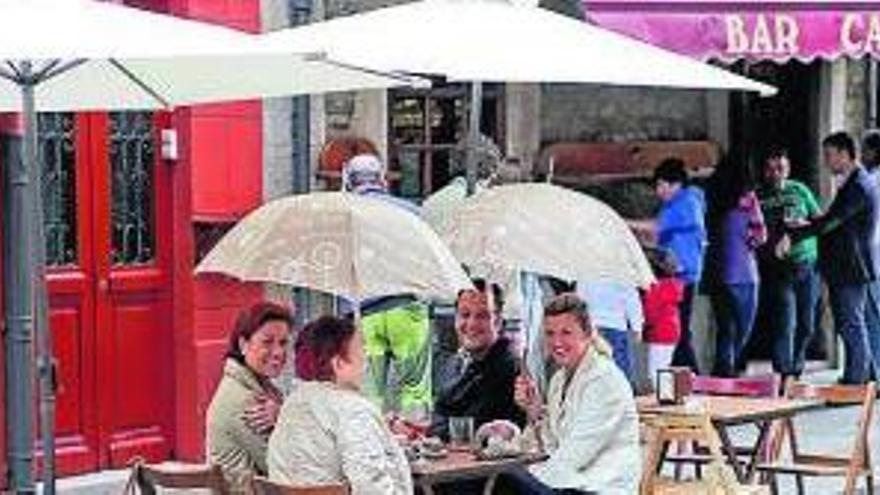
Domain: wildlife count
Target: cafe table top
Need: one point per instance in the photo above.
(730, 410)
(465, 465)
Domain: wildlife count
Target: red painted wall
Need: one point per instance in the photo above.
(218, 178)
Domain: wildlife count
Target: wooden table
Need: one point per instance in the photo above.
(728, 411)
(460, 465)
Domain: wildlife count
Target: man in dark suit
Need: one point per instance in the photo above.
(479, 382)
(846, 250)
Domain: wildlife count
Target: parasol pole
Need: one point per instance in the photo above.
(19, 283)
(473, 139)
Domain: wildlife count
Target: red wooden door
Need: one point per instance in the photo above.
(109, 295)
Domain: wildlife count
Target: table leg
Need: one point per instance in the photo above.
(490, 485)
(730, 451)
(426, 488)
(760, 447)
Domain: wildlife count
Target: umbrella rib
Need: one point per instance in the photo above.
(46, 69)
(6, 74)
(57, 68)
(139, 82)
(393, 75)
(14, 73)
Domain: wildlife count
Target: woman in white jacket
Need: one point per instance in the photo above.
(327, 430)
(589, 426)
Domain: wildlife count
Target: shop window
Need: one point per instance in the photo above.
(132, 164)
(427, 131)
(57, 149)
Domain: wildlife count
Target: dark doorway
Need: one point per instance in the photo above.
(788, 119)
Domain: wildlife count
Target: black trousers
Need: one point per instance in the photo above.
(684, 354)
(521, 482)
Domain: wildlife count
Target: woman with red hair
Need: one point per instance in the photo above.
(328, 431)
(246, 403)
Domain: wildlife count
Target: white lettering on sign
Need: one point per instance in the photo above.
(776, 34)
(857, 41)
(846, 40)
(737, 39)
(872, 40)
(787, 34)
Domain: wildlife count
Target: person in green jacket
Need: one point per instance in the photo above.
(788, 270)
(396, 328)
(245, 405)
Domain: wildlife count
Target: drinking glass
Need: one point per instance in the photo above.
(461, 431)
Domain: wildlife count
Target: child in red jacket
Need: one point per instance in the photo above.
(662, 322)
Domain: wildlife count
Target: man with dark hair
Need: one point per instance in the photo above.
(480, 381)
(847, 261)
(681, 228)
(788, 271)
(871, 161)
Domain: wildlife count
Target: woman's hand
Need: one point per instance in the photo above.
(262, 414)
(526, 396)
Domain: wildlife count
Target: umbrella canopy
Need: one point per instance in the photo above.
(89, 55)
(341, 243)
(548, 230)
(69, 55)
(505, 41)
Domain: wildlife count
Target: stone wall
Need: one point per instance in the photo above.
(581, 113)
(856, 107)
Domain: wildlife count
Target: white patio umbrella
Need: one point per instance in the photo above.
(340, 243)
(67, 55)
(503, 41)
(548, 230)
(89, 55)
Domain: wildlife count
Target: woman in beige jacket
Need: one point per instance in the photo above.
(328, 431)
(244, 408)
(589, 426)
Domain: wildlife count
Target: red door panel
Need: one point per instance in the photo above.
(64, 143)
(135, 366)
(108, 314)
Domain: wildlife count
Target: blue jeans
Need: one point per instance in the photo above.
(735, 306)
(848, 310)
(872, 322)
(620, 345)
(793, 297)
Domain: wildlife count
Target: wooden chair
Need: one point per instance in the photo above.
(719, 479)
(852, 466)
(262, 486)
(751, 386)
(146, 478)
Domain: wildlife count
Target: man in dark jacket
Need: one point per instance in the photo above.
(846, 250)
(871, 162)
(479, 382)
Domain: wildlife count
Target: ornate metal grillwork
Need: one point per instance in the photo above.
(57, 150)
(132, 159)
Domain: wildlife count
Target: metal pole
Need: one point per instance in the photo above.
(473, 140)
(42, 330)
(19, 302)
(299, 13)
